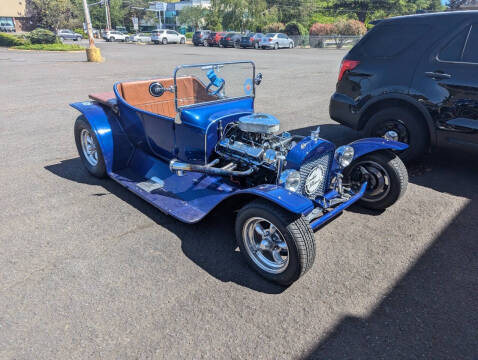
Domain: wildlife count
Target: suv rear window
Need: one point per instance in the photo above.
(470, 54)
(454, 49)
(388, 40)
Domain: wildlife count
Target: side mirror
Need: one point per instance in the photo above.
(258, 79)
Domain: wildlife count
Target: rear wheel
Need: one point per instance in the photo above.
(256, 46)
(276, 46)
(89, 148)
(408, 126)
(386, 176)
(204, 43)
(278, 245)
(112, 38)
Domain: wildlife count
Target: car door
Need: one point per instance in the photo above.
(172, 36)
(451, 73)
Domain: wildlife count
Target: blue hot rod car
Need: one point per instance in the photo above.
(186, 144)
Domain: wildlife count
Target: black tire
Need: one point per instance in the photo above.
(204, 43)
(291, 45)
(296, 232)
(395, 170)
(164, 41)
(182, 41)
(256, 46)
(112, 39)
(276, 46)
(408, 125)
(98, 170)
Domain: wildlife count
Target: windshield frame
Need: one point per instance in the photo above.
(180, 67)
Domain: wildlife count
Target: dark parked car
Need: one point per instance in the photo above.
(230, 40)
(69, 35)
(417, 76)
(199, 37)
(251, 40)
(214, 38)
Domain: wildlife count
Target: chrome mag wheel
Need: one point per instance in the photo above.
(88, 147)
(378, 180)
(265, 245)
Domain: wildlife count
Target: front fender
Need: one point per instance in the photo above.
(98, 119)
(288, 200)
(369, 145)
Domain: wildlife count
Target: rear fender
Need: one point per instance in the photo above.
(97, 117)
(365, 146)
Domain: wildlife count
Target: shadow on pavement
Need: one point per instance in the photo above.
(210, 244)
(429, 314)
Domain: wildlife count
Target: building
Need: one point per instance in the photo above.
(168, 12)
(16, 13)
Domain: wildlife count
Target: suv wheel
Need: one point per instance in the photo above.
(408, 126)
(165, 41)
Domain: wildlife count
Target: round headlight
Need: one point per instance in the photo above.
(290, 179)
(344, 155)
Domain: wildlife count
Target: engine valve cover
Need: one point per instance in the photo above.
(259, 123)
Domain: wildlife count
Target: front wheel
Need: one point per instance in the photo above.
(278, 245)
(182, 41)
(89, 148)
(165, 41)
(386, 176)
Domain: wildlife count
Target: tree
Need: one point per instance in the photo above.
(52, 14)
(193, 16)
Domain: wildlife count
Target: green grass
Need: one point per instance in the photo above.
(50, 47)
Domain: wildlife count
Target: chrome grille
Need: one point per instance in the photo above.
(324, 162)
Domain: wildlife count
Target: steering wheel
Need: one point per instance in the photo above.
(215, 81)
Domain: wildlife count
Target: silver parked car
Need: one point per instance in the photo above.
(140, 37)
(164, 37)
(276, 41)
(69, 35)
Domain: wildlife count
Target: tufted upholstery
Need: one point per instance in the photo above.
(189, 89)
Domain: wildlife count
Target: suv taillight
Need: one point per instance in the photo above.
(347, 65)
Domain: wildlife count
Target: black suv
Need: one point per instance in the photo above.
(416, 75)
(200, 37)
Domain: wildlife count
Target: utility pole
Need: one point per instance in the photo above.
(108, 16)
(92, 52)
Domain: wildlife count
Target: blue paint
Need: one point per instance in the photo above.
(317, 223)
(368, 145)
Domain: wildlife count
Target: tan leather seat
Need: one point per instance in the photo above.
(189, 89)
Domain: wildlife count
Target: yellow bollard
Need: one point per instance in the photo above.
(93, 54)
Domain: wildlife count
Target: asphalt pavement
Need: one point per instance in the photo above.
(89, 271)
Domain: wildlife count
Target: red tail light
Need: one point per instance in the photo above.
(347, 65)
(251, 39)
(228, 39)
(200, 36)
(270, 39)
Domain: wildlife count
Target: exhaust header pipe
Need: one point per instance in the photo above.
(180, 168)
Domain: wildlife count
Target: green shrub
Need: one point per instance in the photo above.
(274, 27)
(189, 35)
(11, 40)
(350, 27)
(43, 36)
(295, 28)
(81, 32)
